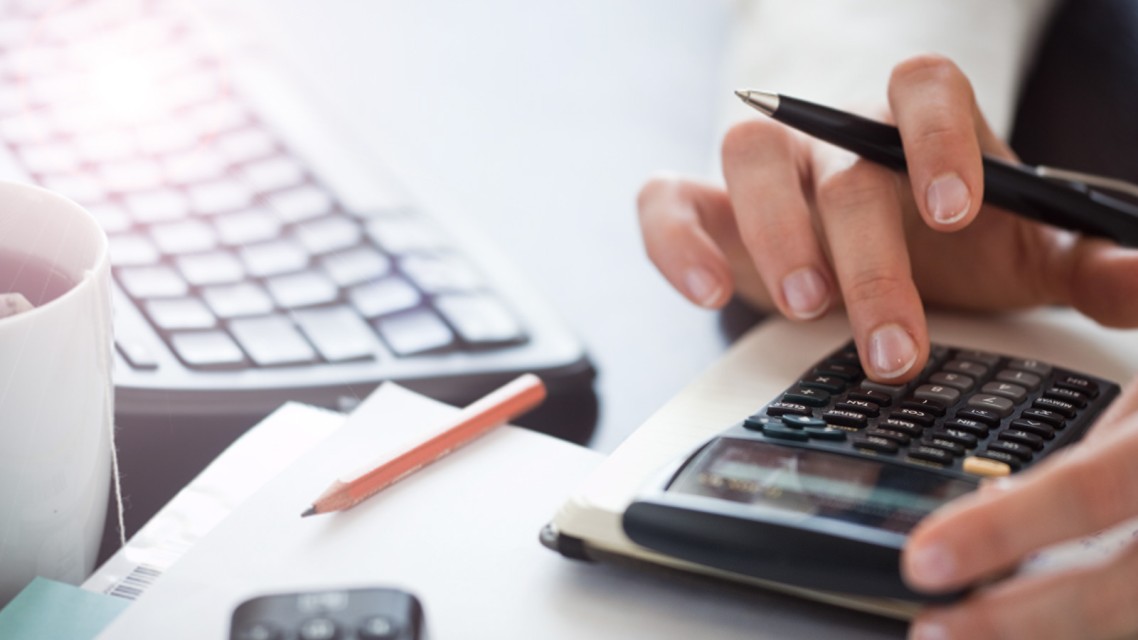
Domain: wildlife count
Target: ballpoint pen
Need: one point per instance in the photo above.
(1062, 198)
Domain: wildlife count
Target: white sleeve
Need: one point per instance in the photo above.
(841, 52)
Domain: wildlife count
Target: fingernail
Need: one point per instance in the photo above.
(948, 199)
(931, 566)
(892, 351)
(702, 286)
(806, 293)
(929, 631)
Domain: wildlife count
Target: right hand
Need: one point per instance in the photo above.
(803, 227)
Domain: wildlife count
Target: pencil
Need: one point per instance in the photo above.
(482, 415)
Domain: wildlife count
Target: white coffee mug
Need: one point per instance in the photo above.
(56, 394)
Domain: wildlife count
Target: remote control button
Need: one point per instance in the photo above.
(1024, 438)
(847, 372)
(1041, 429)
(984, 358)
(869, 395)
(962, 438)
(846, 418)
(832, 384)
(318, 629)
(860, 406)
(931, 440)
(955, 380)
(996, 404)
(882, 445)
(378, 628)
(967, 368)
(826, 433)
(990, 418)
(974, 427)
(782, 432)
(931, 454)
(807, 396)
(1030, 366)
(798, 422)
(986, 467)
(901, 426)
(1030, 381)
(899, 438)
(1044, 415)
(1011, 461)
(1021, 451)
(1076, 383)
(1077, 398)
(783, 408)
(757, 422)
(929, 405)
(939, 393)
(1065, 409)
(914, 415)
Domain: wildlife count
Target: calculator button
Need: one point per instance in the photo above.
(955, 448)
(888, 389)
(1030, 366)
(318, 629)
(807, 396)
(932, 406)
(899, 438)
(967, 368)
(955, 435)
(1028, 380)
(1065, 409)
(1037, 427)
(1013, 462)
(847, 372)
(903, 426)
(986, 359)
(782, 432)
(1077, 398)
(937, 392)
(874, 443)
(379, 628)
(825, 433)
(1012, 392)
(974, 427)
(931, 454)
(757, 422)
(869, 395)
(798, 422)
(1024, 438)
(986, 467)
(783, 408)
(1022, 451)
(996, 404)
(988, 417)
(258, 631)
(1044, 415)
(846, 418)
(847, 355)
(913, 415)
(954, 380)
(833, 384)
(860, 406)
(1078, 384)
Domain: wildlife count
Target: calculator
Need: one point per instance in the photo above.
(377, 613)
(820, 488)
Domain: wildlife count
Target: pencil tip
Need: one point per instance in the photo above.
(310, 511)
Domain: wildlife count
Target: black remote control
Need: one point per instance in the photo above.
(345, 614)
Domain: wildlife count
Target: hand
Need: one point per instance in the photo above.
(803, 226)
(1074, 493)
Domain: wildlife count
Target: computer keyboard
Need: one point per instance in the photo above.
(242, 279)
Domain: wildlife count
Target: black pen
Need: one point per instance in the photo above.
(1054, 196)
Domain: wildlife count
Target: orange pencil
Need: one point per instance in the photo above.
(482, 415)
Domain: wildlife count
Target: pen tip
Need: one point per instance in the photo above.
(741, 93)
(764, 101)
(310, 511)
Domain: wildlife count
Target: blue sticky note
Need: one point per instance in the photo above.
(50, 610)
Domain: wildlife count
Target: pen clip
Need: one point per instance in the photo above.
(1101, 183)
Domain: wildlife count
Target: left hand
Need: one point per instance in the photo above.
(1075, 493)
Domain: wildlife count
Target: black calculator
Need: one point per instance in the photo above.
(336, 614)
(820, 488)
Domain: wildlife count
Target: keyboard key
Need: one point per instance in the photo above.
(110, 216)
(195, 166)
(106, 146)
(160, 205)
(219, 196)
(1029, 381)
(1031, 366)
(1023, 452)
(996, 404)
(303, 203)
(216, 117)
(848, 371)
(957, 381)
(305, 289)
(825, 433)
(869, 395)
(400, 235)
(892, 390)
(951, 446)
(1052, 418)
(274, 174)
(966, 367)
(187, 236)
(932, 454)
(1076, 398)
(208, 350)
(795, 421)
(833, 384)
(922, 418)
(247, 227)
(986, 467)
(929, 405)
(776, 430)
(272, 341)
(881, 445)
(136, 355)
(1013, 392)
(50, 157)
(180, 313)
(152, 282)
(954, 436)
(1037, 427)
(852, 419)
(1065, 409)
(338, 333)
(988, 417)
(974, 427)
(807, 396)
(784, 408)
(415, 332)
(943, 394)
(274, 258)
(132, 251)
(81, 188)
(987, 359)
(1012, 461)
(860, 406)
(902, 426)
(357, 265)
(233, 301)
(128, 176)
(895, 436)
(165, 138)
(328, 234)
(1078, 384)
(211, 268)
(483, 320)
(1022, 437)
(384, 297)
(441, 274)
(757, 422)
(245, 145)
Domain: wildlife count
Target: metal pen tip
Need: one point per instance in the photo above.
(764, 101)
(310, 511)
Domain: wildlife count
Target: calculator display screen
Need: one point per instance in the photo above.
(818, 483)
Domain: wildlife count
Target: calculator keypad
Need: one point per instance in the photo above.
(970, 412)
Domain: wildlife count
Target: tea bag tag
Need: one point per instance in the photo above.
(13, 303)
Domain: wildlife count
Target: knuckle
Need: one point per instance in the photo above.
(877, 283)
(746, 139)
(924, 67)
